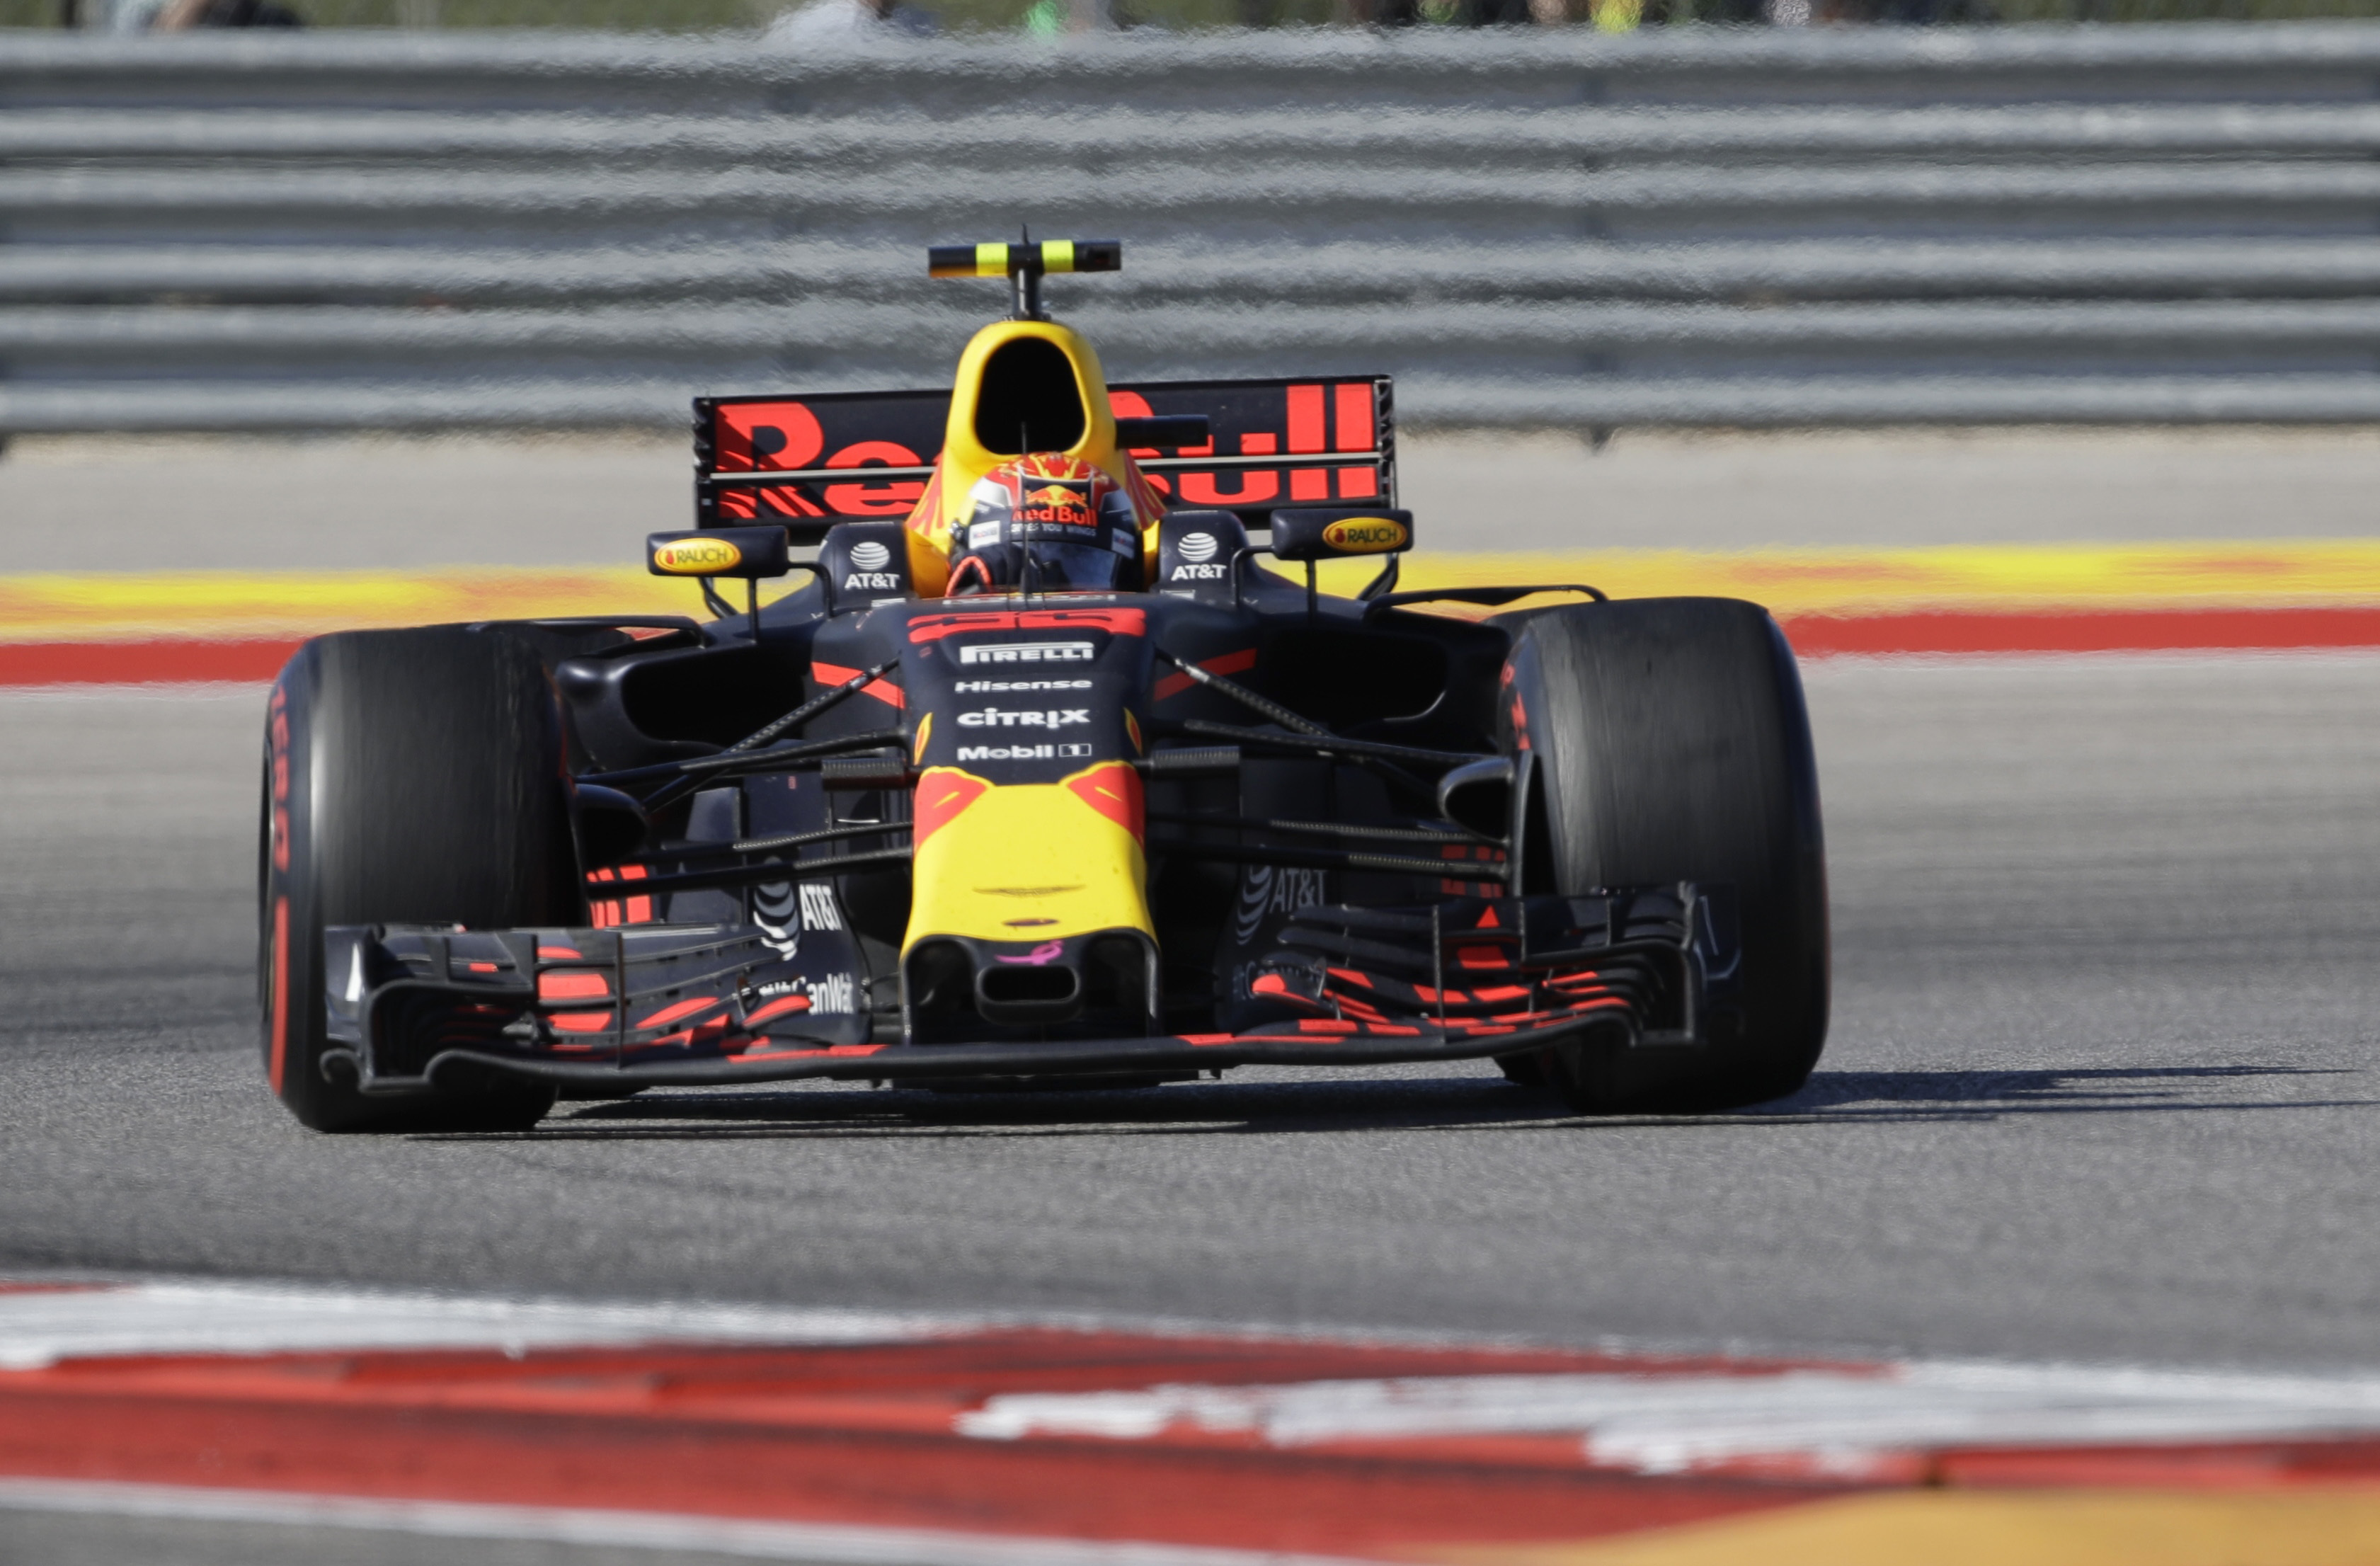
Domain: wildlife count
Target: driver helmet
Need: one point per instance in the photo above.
(1046, 523)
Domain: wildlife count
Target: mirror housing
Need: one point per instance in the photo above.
(1340, 532)
(750, 554)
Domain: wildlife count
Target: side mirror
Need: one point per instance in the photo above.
(1339, 533)
(749, 554)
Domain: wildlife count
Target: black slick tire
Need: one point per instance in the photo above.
(410, 777)
(1671, 744)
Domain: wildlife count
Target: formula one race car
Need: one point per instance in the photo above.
(1047, 777)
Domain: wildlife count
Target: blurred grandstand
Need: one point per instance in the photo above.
(962, 16)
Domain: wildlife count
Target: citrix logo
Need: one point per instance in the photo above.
(1000, 718)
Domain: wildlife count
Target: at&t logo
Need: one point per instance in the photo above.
(1198, 563)
(868, 560)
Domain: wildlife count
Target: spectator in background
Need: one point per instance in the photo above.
(182, 15)
(822, 21)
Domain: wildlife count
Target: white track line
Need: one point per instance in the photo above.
(636, 1530)
(1667, 1423)
(41, 1327)
(1840, 1417)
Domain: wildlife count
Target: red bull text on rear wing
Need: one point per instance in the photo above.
(810, 461)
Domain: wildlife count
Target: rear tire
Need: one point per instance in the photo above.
(410, 777)
(1672, 743)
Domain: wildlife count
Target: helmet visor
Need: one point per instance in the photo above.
(1002, 554)
(1059, 565)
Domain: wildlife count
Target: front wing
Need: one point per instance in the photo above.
(1463, 979)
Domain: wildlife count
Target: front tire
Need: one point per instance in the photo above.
(1672, 743)
(410, 777)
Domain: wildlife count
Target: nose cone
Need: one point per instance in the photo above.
(1029, 907)
(1028, 862)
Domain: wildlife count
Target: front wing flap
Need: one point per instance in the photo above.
(719, 1003)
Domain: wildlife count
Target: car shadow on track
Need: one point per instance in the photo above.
(1441, 1104)
(1990, 1094)
(1182, 1109)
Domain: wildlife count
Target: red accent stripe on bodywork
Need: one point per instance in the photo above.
(1228, 664)
(1115, 622)
(677, 1009)
(1114, 791)
(605, 913)
(579, 985)
(779, 1007)
(938, 798)
(836, 674)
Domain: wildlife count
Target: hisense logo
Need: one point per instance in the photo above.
(979, 686)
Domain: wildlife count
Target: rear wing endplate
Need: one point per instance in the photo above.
(809, 462)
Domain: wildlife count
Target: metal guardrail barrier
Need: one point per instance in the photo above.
(1533, 227)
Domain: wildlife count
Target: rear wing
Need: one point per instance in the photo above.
(809, 462)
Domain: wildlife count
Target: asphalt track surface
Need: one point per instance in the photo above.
(2100, 1086)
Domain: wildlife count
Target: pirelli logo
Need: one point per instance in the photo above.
(1028, 652)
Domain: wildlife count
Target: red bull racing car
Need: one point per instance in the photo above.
(1058, 770)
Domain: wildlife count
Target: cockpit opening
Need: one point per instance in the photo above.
(1028, 401)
